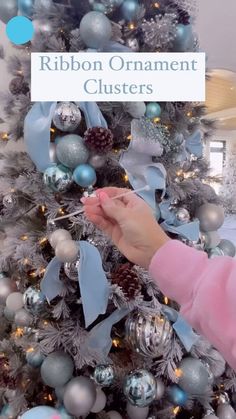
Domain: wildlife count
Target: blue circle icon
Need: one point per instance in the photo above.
(20, 30)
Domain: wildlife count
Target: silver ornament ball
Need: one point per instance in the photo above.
(95, 30)
(211, 217)
(140, 388)
(104, 375)
(100, 402)
(133, 44)
(59, 235)
(227, 247)
(67, 251)
(97, 161)
(182, 215)
(34, 358)
(7, 286)
(135, 412)
(34, 301)
(135, 109)
(67, 116)
(58, 178)
(80, 396)
(148, 334)
(194, 377)
(71, 151)
(225, 411)
(57, 369)
(23, 318)
(112, 414)
(9, 314)
(9, 201)
(71, 269)
(210, 239)
(160, 389)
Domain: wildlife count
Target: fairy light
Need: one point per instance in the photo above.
(42, 208)
(116, 343)
(129, 137)
(179, 173)
(24, 237)
(189, 114)
(176, 410)
(26, 261)
(131, 26)
(43, 241)
(52, 130)
(42, 271)
(156, 5)
(166, 300)
(156, 120)
(61, 211)
(4, 136)
(33, 274)
(178, 372)
(30, 350)
(126, 178)
(12, 190)
(19, 332)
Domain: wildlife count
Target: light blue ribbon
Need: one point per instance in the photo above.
(194, 144)
(99, 340)
(183, 330)
(113, 46)
(37, 129)
(93, 283)
(189, 231)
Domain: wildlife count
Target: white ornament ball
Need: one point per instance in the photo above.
(100, 402)
(114, 415)
(58, 236)
(15, 301)
(23, 318)
(135, 412)
(67, 251)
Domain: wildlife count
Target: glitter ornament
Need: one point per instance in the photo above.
(57, 369)
(133, 44)
(71, 269)
(104, 375)
(71, 151)
(140, 388)
(227, 247)
(194, 378)
(67, 116)
(58, 178)
(95, 30)
(148, 334)
(99, 140)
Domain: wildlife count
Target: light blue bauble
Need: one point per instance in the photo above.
(8, 412)
(57, 369)
(99, 7)
(85, 175)
(26, 7)
(130, 9)
(35, 358)
(153, 110)
(42, 412)
(58, 178)
(140, 388)
(71, 151)
(8, 9)
(194, 377)
(184, 39)
(177, 396)
(95, 29)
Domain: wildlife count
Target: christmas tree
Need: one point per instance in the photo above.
(227, 191)
(84, 333)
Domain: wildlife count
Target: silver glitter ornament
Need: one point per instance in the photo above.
(140, 388)
(9, 201)
(211, 217)
(7, 286)
(23, 318)
(211, 239)
(71, 269)
(194, 377)
(95, 30)
(59, 235)
(133, 44)
(58, 178)
(104, 375)
(34, 301)
(97, 161)
(225, 411)
(67, 116)
(80, 396)
(148, 334)
(71, 151)
(227, 247)
(57, 369)
(182, 215)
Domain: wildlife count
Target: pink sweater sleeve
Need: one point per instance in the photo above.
(205, 289)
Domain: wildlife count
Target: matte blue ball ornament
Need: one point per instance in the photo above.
(42, 412)
(153, 110)
(177, 396)
(99, 7)
(95, 29)
(58, 178)
(184, 40)
(85, 175)
(34, 358)
(26, 7)
(130, 9)
(140, 388)
(57, 369)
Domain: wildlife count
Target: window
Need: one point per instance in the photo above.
(217, 157)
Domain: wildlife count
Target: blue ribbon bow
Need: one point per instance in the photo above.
(183, 330)
(37, 129)
(93, 283)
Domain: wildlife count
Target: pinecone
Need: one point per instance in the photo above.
(127, 279)
(18, 86)
(99, 139)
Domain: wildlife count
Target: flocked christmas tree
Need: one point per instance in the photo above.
(86, 333)
(228, 188)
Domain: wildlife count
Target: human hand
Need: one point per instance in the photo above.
(128, 221)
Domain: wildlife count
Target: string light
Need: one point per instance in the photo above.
(43, 209)
(52, 130)
(129, 137)
(43, 241)
(189, 114)
(156, 120)
(116, 343)
(42, 271)
(176, 410)
(61, 211)
(156, 5)
(131, 25)
(166, 300)
(126, 178)
(26, 261)
(30, 350)
(178, 372)
(24, 238)
(18, 333)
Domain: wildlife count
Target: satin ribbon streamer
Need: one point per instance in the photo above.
(183, 330)
(37, 129)
(93, 283)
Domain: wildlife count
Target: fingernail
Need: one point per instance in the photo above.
(103, 197)
(83, 200)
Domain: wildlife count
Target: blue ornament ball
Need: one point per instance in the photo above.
(64, 414)
(99, 7)
(130, 9)
(177, 396)
(42, 412)
(140, 388)
(26, 7)
(57, 369)
(184, 40)
(58, 178)
(34, 358)
(8, 412)
(95, 29)
(71, 151)
(85, 175)
(153, 110)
